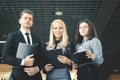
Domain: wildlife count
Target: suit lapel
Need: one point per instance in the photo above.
(21, 37)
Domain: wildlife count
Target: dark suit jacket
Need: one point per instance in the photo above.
(10, 49)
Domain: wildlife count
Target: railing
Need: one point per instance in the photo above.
(2, 42)
(1, 48)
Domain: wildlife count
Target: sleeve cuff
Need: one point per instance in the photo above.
(37, 69)
(22, 63)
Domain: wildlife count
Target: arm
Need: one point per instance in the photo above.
(38, 58)
(38, 55)
(97, 51)
(68, 58)
(9, 51)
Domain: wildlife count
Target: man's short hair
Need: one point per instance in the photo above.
(26, 11)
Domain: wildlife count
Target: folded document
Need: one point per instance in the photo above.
(81, 58)
(24, 50)
(51, 58)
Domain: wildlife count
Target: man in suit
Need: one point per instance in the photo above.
(29, 67)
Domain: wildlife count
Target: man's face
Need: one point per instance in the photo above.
(26, 20)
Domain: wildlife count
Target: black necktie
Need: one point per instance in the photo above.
(28, 39)
(56, 43)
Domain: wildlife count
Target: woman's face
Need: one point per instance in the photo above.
(83, 29)
(58, 30)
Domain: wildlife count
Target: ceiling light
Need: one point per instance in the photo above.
(116, 70)
(58, 13)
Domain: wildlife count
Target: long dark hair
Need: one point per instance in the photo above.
(91, 32)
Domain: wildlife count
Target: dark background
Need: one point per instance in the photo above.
(104, 13)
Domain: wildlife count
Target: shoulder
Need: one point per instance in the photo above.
(35, 38)
(16, 33)
(13, 36)
(95, 40)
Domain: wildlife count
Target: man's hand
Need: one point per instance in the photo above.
(29, 60)
(31, 71)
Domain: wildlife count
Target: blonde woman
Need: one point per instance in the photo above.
(58, 39)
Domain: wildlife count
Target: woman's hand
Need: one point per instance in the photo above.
(89, 54)
(64, 60)
(48, 67)
(74, 65)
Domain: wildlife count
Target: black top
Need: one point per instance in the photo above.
(68, 51)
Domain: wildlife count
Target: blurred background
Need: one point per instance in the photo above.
(105, 14)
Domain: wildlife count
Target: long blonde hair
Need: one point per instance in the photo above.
(64, 38)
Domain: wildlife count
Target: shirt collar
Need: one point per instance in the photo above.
(23, 32)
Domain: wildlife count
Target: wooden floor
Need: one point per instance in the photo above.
(114, 77)
(5, 70)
